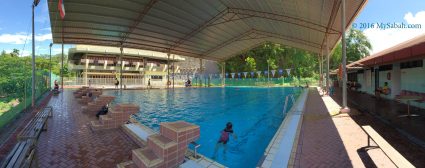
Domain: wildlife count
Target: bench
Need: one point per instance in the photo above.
(392, 154)
(407, 92)
(33, 129)
(21, 155)
(23, 152)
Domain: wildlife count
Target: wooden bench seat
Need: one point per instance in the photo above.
(392, 154)
(21, 155)
(33, 129)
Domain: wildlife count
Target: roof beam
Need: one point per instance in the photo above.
(264, 33)
(282, 18)
(199, 28)
(240, 36)
(139, 19)
(288, 38)
(331, 20)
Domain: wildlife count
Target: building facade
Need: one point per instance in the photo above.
(99, 65)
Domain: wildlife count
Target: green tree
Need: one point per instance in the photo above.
(14, 53)
(358, 47)
(250, 64)
(3, 53)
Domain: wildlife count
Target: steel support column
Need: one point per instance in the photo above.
(86, 69)
(320, 70)
(168, 69)
(328, 56)
(344, 109)
(223, 71)
(173, 70)
(33, 59)
(121, 65)
(200, 71)
(50, 66)
(62, 63)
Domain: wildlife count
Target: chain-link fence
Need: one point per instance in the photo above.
(16, 94)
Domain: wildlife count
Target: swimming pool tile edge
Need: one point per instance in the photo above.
(292, 120)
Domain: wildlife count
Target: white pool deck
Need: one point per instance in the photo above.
(281, 149)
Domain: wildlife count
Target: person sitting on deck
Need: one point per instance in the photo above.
(102, 111)
(188, 83)
(56, 88)
(382, 90)
(224, 138)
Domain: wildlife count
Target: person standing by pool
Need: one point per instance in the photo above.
(224, 138)
(116, 83)
(149, 83)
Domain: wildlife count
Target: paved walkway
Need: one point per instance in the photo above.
(406, 135)
(337, 141)
(69, 142)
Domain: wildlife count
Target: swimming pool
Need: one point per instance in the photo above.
(256, 114)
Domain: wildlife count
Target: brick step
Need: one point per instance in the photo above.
(96, 126)
(104, 119)
(162, 146)
(145, 157)
(128, 164)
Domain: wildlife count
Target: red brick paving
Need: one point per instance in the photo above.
(337, 141)
(69, 141)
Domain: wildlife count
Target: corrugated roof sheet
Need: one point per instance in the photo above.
(209, 29)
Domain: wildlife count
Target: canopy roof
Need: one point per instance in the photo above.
(210, 29)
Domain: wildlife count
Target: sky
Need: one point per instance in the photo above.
(15, 24)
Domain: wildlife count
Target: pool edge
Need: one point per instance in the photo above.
(278, 153)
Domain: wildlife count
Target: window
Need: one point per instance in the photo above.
(388, 67)
(156, 77)
(411, 64)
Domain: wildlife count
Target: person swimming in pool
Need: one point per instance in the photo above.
(224, 138)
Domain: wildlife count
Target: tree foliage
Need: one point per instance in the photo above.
(358, 47)
(16, 72)
(275, 56)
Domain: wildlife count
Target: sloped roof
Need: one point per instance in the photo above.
(412, 48)
(210, 29)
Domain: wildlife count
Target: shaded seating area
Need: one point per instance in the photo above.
(24, 151)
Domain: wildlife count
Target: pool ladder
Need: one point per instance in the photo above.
(292, 98)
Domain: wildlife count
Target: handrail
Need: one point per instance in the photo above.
(286, 101)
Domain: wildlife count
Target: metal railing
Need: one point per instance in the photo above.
(292, 98)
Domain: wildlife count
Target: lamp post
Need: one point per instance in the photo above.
(34, 4)
(50, 67)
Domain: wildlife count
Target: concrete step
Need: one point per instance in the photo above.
(161, 145)
(145, 157)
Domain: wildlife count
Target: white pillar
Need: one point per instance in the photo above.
(122, 64)
(328, 56)
(86, 66)
(344, 61)
(223, 71)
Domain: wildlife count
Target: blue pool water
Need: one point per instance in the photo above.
(256, 114)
